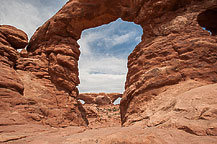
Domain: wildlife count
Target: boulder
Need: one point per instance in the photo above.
(13, 37)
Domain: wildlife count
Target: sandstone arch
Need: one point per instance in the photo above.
(168, 53)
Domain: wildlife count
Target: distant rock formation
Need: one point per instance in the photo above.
(99, 98)
(100, 110)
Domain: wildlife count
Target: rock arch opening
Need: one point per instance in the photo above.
(208, 21)
(103, 69)
(104, 52)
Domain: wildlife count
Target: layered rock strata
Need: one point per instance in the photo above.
(24, 95)
(175, 51)
(171, 74)
(174, 47)
(11, 86)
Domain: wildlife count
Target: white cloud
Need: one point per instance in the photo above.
(86, 39)
(102, 74)
(120, 39)
(27, 15)
(19, 14)
(99, 71)
(102, 83)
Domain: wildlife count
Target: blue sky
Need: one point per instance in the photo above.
(28, 14)
(104, 50)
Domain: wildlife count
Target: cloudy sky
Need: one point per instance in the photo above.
(104, 50)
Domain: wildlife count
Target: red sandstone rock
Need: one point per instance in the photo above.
(48, 105)
(11, 91)
(13, 37)
(99, 98)
(8, 55)
(34, 134)
(177, 50)
(24, 53)
(102, 115)
(170, 93)
(10, 84)
(174, 47)
(10, 80)
(27, 94)
(187, 106)
(100, 110)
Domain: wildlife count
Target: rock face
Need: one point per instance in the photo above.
(174, 50)
(170, 86)
(185, 106)
(48, 105)
(11, 39)
(11, 87)
(23, 95)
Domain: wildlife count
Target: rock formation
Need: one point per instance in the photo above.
(174, 47)
(99, 98)
(11, 87)
(23, 95)
(175, 51)
(170, 90)
(100, 110)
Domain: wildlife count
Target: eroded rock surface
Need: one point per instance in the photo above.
(101, 110)
(102, 116)
(174, 46)
(13, 37)
(48, 105)
(118, 135)
(174, 49)
(27, 94)
(170, 91)
(11, 86)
